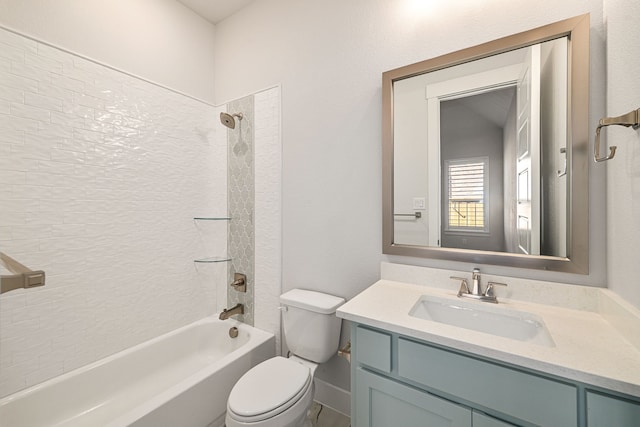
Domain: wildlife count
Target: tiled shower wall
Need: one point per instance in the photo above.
(101, 175)
(268, 216)
(254, 200)
(241, 203)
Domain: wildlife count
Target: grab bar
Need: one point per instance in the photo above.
(22, 277)
(631, 119)
(415, 215)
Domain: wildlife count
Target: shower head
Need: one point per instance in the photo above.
(228, 119)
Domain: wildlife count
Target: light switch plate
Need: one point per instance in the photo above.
(419, 203)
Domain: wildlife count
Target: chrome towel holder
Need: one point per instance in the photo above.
(631, 119)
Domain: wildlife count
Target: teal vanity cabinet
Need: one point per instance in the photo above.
(402, 381)
(604, 410)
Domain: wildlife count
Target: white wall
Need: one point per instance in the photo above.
(410, 159)
(623, 172)
(268, 212)
(161, 41)
(329, 56)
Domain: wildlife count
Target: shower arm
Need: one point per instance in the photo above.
(22, 277)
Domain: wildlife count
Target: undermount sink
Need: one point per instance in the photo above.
(482, 317)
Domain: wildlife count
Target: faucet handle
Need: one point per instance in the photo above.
(239, 282)
(464, 285)
(489, 291)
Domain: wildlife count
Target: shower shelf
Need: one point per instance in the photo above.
(212, 260)
(215, 259)
(212, 218)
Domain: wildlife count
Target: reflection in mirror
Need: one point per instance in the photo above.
(484, 152)
(495, 131)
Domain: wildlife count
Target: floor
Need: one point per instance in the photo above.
(323, 416)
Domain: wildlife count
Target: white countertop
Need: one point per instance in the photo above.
(588, 348)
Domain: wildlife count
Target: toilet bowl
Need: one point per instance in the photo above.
(276, 393)
(279, 392)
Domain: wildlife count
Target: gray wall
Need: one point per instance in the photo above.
(465, 134)
(553, 104)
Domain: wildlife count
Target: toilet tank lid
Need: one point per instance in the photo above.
(317, 302)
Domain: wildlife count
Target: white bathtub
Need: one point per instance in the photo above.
(179, 379)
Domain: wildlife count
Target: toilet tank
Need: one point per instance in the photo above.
(311, 328)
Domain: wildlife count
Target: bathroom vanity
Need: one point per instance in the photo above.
(410, 371)
(547, 354)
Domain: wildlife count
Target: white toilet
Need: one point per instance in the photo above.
(278, 392)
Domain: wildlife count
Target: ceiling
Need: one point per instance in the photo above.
(493, 105)
(215, 11)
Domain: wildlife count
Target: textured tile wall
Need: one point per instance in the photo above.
(254, 194)
(101, 175)
(268, 217)
(241, 202)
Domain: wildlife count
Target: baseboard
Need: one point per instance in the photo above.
(334, 397)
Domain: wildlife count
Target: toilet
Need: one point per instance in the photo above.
(278, 392)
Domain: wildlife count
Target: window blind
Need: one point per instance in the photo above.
(466, 194)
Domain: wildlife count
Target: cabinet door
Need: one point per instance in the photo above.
(381, 402)
(607, 411)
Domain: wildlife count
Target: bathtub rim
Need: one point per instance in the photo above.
(257, 336)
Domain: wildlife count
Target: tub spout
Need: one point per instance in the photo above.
(237, 309)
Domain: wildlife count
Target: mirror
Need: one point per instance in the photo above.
(485, 152)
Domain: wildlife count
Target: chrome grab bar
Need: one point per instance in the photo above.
(22, 277)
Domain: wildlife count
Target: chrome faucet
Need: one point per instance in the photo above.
(237, 309)
(475, 278)
(476, 289)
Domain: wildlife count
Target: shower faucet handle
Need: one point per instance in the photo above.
(239, 282)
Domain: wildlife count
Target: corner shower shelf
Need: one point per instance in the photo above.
(212, 259)
(215, 259)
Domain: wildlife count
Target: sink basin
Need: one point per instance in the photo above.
(483, 317)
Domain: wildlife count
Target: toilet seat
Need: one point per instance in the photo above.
(268, 389)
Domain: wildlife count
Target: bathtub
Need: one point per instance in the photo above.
(180, 379)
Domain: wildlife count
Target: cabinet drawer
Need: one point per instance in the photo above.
(606, 411)
(524, 396)
(373, 349)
